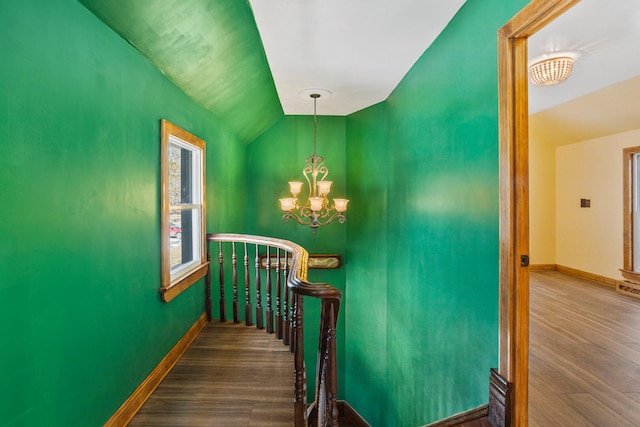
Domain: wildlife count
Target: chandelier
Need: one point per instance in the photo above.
(315, 211)
(552, 69)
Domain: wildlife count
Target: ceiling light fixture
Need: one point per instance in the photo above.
(552, 69)
(315, 211)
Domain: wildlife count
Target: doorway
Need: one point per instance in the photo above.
(514, 202)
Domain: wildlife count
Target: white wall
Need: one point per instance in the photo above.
(590, 239)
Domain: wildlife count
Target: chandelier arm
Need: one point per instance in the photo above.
(339, 216)
(308, 170)
(288, 216)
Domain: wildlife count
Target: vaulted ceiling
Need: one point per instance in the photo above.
(248, 60)
(225, 54)
(211, 49)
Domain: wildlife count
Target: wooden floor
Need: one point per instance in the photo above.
(232, 375)
(584, 354)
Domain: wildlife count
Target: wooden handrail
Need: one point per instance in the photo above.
(288, 315)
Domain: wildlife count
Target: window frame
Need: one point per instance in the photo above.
(172, 287)
(631, 199)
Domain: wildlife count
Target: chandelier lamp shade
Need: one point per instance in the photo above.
(316, 211)
(552, 69)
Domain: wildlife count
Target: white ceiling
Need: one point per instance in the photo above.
(606, 34)
(601, 97)
(359, 50)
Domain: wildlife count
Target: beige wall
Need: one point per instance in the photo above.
(542, 198)
(590, 239)
(587, 239)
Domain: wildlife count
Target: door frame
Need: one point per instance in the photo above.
(514, 195)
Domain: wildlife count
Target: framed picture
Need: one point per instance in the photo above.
(316, 261)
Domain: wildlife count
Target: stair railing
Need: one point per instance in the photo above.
(289, 263)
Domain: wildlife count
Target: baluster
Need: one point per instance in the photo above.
(278, 297)
(269, 293)
(326, 390)
(297, 299)
(300, 386)
(285, 308)
(223, 316)
(207, 287)
(234, 279)
(259, 324)
(247, 290)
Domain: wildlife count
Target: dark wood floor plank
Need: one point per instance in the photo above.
(232, 375)
(584, 358)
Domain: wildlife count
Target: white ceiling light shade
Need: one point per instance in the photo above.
(552, 69)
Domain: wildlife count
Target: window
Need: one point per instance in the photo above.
(183, 210)
(631, 224)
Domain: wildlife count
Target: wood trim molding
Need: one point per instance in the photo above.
(126, 412)
(632, 276)
(588, 276)
(500, 391)
(543, 267)
(350, 416)
(577, 273)
(627, 206)
(169, 293)
(514, 192)
(463, 417)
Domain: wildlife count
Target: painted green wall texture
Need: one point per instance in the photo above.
(367, 274)
(277, 157)
(79, 201)
(425, 293)
(211, 49)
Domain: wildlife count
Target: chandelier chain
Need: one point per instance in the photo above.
(315, 97)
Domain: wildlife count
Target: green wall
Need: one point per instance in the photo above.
(422, 312)
(79, 202)
(368, 275)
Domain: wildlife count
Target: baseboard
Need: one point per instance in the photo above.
(349, 416)
(129, 408)
(463, 417)
(499, 400)
(576, 273)
(542, 267)
(587, 276)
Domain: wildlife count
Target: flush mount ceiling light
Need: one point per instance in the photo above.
(552, 69)
(315, 211)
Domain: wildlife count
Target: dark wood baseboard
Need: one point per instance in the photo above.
(464, 418)
(140, 395)
(349, 416)
(499, 400)
(575, 272)
(496, 414)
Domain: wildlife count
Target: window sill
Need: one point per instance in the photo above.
(170, 292)
(633, 276)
